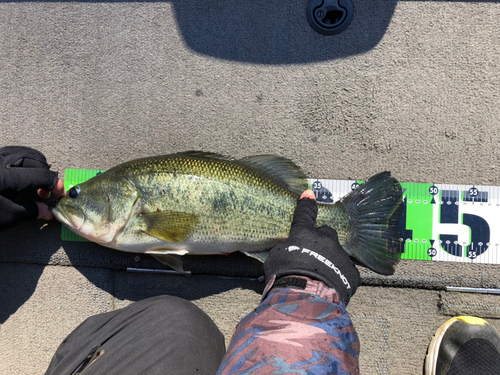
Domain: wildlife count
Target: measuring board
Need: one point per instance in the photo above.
(441, 222)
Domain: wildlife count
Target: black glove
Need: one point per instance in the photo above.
(313, 252)
(23, 170)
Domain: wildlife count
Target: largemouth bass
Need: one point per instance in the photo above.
(204, 203)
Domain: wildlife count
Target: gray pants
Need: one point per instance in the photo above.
(159, 335)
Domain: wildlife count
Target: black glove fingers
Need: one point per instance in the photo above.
(20, 156)
(20, 179)
(23, 170)
(11, 150)
(305, 214)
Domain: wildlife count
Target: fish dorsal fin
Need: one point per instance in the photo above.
(203, 155)
(276, 167)
(280, 168)
(170, 226)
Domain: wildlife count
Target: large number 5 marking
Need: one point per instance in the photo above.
(479, 228)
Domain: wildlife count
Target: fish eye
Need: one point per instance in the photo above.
(74, 191)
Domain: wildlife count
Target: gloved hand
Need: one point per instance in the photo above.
(313, 252)
(23, 172)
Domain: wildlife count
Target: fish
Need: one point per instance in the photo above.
(201, 203)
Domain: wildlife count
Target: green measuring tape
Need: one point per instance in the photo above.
(441, 222)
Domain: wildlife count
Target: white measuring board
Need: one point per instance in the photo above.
(441, 222)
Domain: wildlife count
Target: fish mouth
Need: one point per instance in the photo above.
(76, 221)
(61, 216)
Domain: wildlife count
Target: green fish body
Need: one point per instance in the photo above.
(203, 203)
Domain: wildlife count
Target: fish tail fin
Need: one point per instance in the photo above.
(374, 209)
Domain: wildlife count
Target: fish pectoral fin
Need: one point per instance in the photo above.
(170, 226)
(260, 256)
(173, 261)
